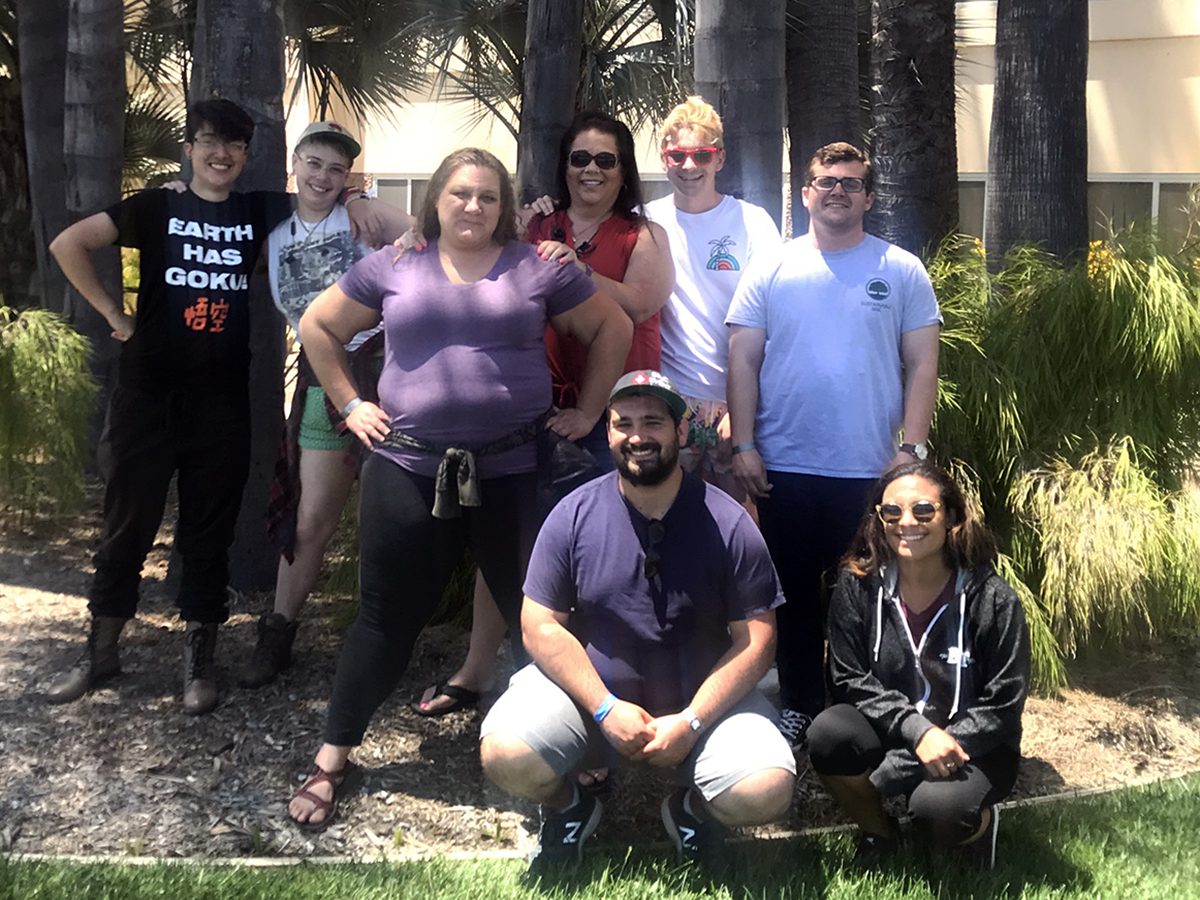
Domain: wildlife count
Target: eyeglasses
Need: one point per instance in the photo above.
(580, 158)
(316, 167)
(922, 510)
(850, 184)
(701, 156)
(654, 536)
(212, 142)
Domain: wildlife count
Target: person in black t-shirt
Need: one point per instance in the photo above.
(180, 404)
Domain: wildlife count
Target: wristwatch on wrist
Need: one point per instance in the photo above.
(693, 722)
(920, 451)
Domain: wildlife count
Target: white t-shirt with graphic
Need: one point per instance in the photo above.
(830, 391)
(710, 250)
(304, 258)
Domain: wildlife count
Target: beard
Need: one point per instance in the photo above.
(648, 471)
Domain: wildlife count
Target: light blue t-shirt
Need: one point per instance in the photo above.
(831, 396)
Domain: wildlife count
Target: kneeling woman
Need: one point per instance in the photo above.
(929, 669)
(464, 392)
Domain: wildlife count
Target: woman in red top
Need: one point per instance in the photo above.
(599, 227)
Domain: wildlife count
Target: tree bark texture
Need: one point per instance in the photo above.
(93, 148)
(553, 44)
(913, 144)
(18, 260)
(739, 59)
(1037, 154)
(42, 39)
(238, 56)
(822, 85)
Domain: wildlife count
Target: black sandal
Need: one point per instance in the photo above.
(461, 698)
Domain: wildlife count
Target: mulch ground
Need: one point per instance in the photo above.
(124, 772)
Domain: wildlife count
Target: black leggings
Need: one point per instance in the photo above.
(406, 556)
(843, 742)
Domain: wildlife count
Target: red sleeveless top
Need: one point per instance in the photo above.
(608, 254)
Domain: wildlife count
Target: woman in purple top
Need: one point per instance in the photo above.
(464, 391)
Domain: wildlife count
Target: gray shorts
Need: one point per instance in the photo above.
(537, 711)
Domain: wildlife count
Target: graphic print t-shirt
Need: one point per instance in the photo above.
(303, 259)
(193, 311)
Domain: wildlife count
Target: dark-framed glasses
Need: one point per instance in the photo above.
(849, 183)
(922, 510)
(701, 156)
(579, 159)
(654, 536)
(213, 142)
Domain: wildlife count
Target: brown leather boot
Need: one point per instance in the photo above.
(199, 670)
(273, 652)
(97, 663)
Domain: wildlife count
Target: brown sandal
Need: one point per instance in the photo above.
(317, 775)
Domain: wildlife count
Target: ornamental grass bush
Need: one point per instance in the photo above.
(46, 392)
(1071, 397)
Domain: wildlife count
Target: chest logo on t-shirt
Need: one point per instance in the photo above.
(720, 259)
(878, 289)
(207, 268)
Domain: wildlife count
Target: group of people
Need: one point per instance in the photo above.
(744, 419)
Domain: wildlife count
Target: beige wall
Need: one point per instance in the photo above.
(1143, 101)
(1143, 87)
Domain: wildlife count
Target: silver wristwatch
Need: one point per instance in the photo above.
(692, 720)
(920, 451)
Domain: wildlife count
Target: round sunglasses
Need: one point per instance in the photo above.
(580, 158)
(701, 156)
(922, 510)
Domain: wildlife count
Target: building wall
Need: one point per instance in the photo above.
(1143, 117)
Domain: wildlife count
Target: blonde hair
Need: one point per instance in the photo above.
(698, 115)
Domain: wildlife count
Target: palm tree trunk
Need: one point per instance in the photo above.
(94, 133)
(238, 55)
(1037, 155)
(913, 142)
(553, 43)
(42, 39)
(822, 85)
(18, 261)
(740, 71)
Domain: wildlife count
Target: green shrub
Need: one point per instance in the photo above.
(46, 392)
(1072, 397)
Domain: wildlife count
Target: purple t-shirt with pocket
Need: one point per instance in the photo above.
(652, 641)
(465, 364)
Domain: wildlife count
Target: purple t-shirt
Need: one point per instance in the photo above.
(652, 641)
(465, 364)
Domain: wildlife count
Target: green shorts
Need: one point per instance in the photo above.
(316, 431)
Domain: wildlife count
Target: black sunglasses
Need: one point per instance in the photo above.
(580, 158)
(654, 536)
(922, 510)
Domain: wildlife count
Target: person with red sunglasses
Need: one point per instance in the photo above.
(713, 237)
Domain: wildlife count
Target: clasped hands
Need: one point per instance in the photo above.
(663, 741)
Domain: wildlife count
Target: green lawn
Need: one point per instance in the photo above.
(1139, 843)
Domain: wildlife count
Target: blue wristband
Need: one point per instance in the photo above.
(604, 708)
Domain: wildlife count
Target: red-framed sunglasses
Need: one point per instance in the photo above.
(701, 156)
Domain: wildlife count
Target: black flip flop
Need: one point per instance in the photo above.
(463, 698)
